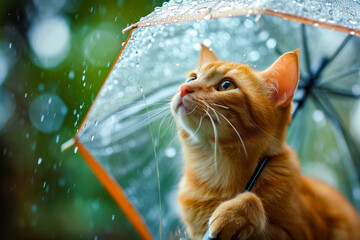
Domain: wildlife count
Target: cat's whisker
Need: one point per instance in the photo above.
(222, 106)
(201, 119)
(212, 109)
(153, 113)
(266, 132)
(241, 140)
(215, 138)
(162, 120)
(192, 110)
(170, 124)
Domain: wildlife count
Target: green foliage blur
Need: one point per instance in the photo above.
(46, 193)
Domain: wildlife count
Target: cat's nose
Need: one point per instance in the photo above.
(185, 89)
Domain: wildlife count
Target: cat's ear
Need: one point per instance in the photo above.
(283, 77)
(206, 56)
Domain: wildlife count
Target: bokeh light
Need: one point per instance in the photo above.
(47, 112)
(49, 38)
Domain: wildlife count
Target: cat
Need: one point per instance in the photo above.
(229, 117)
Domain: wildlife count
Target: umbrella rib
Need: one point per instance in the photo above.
(306, 49)
(338, 92)
(354, 69)
(330, 111)
(340, 48)
(327, 61)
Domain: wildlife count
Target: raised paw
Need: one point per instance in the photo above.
(238, 218)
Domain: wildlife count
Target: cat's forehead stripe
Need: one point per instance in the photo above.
(214, 69)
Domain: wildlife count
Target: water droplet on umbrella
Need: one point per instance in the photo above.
(204, 10)
(157, 10)
(352, 21)
(173, 7)
(208, 16)
(225, 9)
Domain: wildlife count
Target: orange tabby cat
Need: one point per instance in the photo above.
(230, 117)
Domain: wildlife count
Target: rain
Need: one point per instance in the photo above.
(65, 90)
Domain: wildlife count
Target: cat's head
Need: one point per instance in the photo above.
(227, 101)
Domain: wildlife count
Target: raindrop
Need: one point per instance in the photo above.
(157, 9)
(39, 161)
(352, 22)
(75, 149)
(71, 75)
(208, 16)
(173, 8)
(113, 217)
(92, 138)
(57, 138)
(204, 10)
(225, 9)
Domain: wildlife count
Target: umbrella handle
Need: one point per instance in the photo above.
(207, 235)
(248, 188)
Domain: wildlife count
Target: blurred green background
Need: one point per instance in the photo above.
(46, 193)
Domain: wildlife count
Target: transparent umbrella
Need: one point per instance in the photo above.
(129, 139)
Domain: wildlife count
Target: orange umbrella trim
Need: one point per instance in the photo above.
(116, 192)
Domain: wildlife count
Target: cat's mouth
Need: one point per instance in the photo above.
(182, 103)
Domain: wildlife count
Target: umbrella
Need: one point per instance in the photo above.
(128, 137)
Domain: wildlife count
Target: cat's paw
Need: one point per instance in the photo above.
(238, 218)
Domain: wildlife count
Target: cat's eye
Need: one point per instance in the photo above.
(192, 78)
(226, 85)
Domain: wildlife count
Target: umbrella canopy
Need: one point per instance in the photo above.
(129, 139)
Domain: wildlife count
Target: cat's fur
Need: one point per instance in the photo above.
(283, 204)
